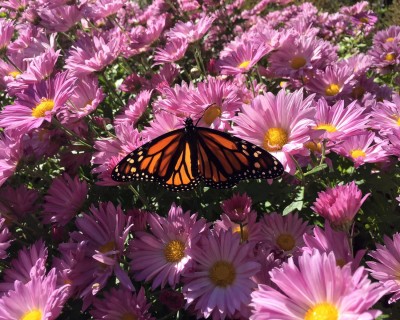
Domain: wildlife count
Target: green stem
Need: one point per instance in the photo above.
(136, 193)
(12, 63)
(59, 125)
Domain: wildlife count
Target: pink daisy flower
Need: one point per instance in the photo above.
(163, 256)
(16, 204)
(328, 240)
(340, 204)
(244, 57)
(360, 148)
(105, 232)
(10, 154)
(6, 33)
(40, 298)
(238, 207)
(122, 304)
(394, 147)
(5, 239)
(59, 19)
(94, 53)
(337, 120)
(385, 268)
(386, 57)
(64, 199)
(280, 124)
(20, 267)
(102, 8)
(315, 289)
(162, 123)
(37, 104)
(332, 83)
(219, 284)
(191, 31)
(385, 116)
(174, 50)
(135, 109)
(284, 233)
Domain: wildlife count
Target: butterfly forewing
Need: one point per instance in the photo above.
(224, 160)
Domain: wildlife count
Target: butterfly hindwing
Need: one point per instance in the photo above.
(165, 160)
(224, 160)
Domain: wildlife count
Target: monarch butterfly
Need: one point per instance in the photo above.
(180, 159)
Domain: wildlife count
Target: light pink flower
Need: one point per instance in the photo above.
(135, 109)
(191, 31)
(174, 50)
(10, 154)
(6, 33)
(60, 18)
(167, 253)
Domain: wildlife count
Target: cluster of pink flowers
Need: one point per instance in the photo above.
(83, 83)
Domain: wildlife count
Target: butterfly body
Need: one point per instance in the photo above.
(180, 159)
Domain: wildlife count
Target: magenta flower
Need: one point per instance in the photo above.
(338, 242)
(238, 207)
(385, 116)
(387, 265)
(37, 104)
(317, 288)
(6, 33)
(284, 233)
(122, 304)
(174, 50)
(91, 54)
(280, 124)
(190, 31)
(165, 255)
(242, 58)
(219, 284)
(162, 123)
(340, 204)
(60, 18)
(135, 109)
(10, 154)
(102, 8)
(386, 56)
(64, 199)
(5, 239)
(364, 147)
(17, 203)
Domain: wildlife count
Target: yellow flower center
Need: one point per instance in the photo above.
(390, 39)
(322, 311)
(275, 139)
(222, 273)
(340, 262)
(357, 92)
(109, 246)
(357, 153)
(14, 74)
(298, 62)
(40, 110)
(212, 113)
(332, 90)
(326, 126)
(174, 251)
(244, 231)
(285, 241)
(364, 20)
(244, 64)
(129, 316)
(32, 315)
(390, 57)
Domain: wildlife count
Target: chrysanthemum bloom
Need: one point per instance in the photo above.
(10, 154)
(64, 199)
(387, 265)
(359, 63)
(101, 8)
(338, 242)
(20, 267)
(340, 204)
(19, 202)
(386, 57)
(6, 33)
(333, 83)
(284, 233)
(105, 231)
(174, 50)
(362, 148)
(166, 75)
(238, 207)
(280, 124)
(391, 34)
(59, 19)
(220, 283)
(5, 239)
(191, 31)
(385, 116)
(40, 298)
(394, 147)
(162, 123)
(163, 256)
(38, 103)
(111, 151)
(317, 288)
(122, 304)
(14, 5)
(337, 120)
(84, 100)
(242, 58)
(135, 109)
(90, 54)
(361, 18)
